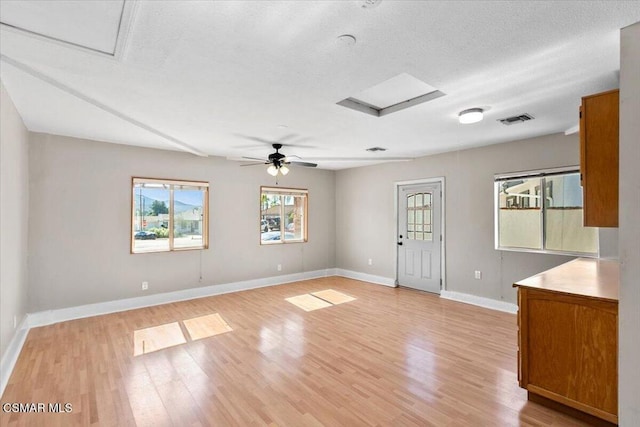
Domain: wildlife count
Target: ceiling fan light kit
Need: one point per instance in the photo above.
(278, 162)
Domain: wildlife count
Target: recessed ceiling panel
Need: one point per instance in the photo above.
(400, 88)
(90, 24)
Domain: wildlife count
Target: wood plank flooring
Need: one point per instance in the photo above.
(392, 357)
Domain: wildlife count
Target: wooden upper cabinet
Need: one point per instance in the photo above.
(599, 116)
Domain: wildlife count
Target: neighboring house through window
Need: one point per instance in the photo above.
(169, 215)
(548, 221)
(283, 215)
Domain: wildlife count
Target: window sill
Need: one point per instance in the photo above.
(549, 252)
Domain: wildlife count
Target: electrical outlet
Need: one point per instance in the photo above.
(145, 286)
(15, 322)
(478, 274)
(279, 267)
(370, 261)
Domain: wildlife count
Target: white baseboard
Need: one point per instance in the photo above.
(480, 301)
(379, 280)
(49, 317)
(10, 356)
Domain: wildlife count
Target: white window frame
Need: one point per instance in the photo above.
(282, 192)
(170, 184)
(540, 173)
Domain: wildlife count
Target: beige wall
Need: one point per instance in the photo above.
(629, 320)
(80, 209)
(14, 209)
(365, 213)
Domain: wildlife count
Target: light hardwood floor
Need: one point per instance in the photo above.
(392, 357)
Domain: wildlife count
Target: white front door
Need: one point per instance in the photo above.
(419, 236)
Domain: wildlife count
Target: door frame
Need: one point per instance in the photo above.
(396, 189)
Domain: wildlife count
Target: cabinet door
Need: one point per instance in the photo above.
(599, 158)
(572, 351)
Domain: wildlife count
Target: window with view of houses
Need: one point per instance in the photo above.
(542, 211)
(283, 215)
(169, 215)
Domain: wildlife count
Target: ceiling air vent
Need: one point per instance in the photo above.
(516, 119)
(374, 149)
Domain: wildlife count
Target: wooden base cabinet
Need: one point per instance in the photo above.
(568, 350)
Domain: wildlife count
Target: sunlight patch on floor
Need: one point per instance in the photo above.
(308, 302)
(206, 326)
(334, 297)
(319, 299)
(157, 338)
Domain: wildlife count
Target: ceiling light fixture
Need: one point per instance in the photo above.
(346, 40)
(472, 115)
(370, 4)
(277, 167)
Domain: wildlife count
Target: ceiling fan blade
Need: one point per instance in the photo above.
(255, 158)
(255, 138)
(305, 164)
(244, 147)
(360, 159)
(270, 142)
(254, 164)
(285, 138)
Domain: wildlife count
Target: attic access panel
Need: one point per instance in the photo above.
(92, 25)
(395, 94)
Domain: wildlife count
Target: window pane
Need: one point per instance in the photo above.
(563, 216)
(150, 218)
(283, 215)
(419, 216)
(427, 217)
(168, 214)
(270, 215)
(427, 200)
(188, 215)
(519, 219)
(294, 217)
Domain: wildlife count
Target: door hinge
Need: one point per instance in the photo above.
(441, 237)
(440, 283)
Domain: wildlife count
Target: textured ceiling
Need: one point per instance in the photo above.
(212, 78)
